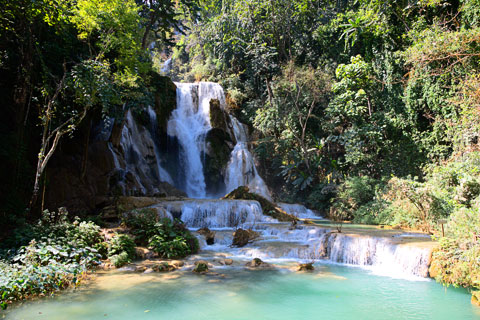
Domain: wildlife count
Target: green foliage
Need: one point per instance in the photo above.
(173, 240)
(142, 223)
(121, 259)
(170, 239)
(58, 256)
(121, 249)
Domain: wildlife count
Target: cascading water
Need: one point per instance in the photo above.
(190, 123)
(241, 169)
(214, 213)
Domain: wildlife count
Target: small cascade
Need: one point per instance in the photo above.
(214, 213)
(141, 162)
(298, 210)
(241, 169)
(385, 257)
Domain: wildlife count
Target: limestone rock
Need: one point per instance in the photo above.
(144, 253)
(306, 267)
(241, 237)
(201, 266)
(257, 263)
(476, 298)
(178, 263)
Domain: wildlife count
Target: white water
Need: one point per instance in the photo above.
(214, 213)
(190, 123)
(381, 255)
(241, 169)
(298, 210)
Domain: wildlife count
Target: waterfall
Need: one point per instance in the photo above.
(241, 169)
(214, 213)
(190, 123)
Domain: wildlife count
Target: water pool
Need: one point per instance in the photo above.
(330, 292)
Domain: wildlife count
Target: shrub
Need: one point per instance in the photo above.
(121, 249)
(456, 261)
(173, 240)
(119, 260)
(58, 255)
(142, 224)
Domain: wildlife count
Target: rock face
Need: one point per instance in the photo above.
(111, 157)
(219, 145)
(241, 237)
(476, 298)
(268, 207)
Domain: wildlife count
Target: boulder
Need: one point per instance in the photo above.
(306, 267)
(144, 253)
(257, 263)
(228, 262)
(241, 237)
(178, 263)
(208, 234)
(164, 267)
(201, 266)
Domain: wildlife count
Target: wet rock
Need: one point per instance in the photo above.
(178, 263)
(149, 270)
(306, 267)
(128, 269)
(208, 234)
(241, 237)
(140, 269)
(164, 267)
(228, 262)
(201, 266)
(257, 263)
(143, 253)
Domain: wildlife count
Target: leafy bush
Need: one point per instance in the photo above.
(456, 261)
(353, 194)
(121, 250)
(58, 255)
(119, 260)
(142, 224)
(173, 240)
(170, 239)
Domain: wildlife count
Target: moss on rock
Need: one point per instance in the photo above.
(268, 207)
